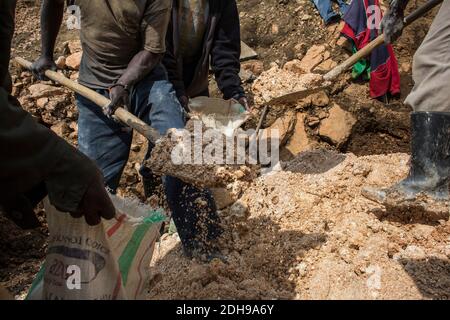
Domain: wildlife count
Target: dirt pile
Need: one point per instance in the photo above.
(307, 233)
(277, 82)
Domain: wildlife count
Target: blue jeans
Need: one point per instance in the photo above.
(108, 143)
(326, 10)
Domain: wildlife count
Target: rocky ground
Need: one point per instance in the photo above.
(305, 232)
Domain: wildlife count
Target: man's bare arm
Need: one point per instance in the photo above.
(52, 13)
(392, 23)
(140, 66)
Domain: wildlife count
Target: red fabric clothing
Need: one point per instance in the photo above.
(384, 75)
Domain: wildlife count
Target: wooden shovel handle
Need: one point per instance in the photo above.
(123, 115)
(419, 12)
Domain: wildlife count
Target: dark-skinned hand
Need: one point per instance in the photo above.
(184, 100)
(41, 65)
(119, 97)
(96, 203)
(244, 102)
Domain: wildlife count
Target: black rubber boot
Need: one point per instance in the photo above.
(428, 179)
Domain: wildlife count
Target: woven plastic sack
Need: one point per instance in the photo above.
(106, 262)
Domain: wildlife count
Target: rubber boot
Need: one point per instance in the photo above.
(428, 179)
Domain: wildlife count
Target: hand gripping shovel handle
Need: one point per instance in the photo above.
(121, 114)
(419, 12)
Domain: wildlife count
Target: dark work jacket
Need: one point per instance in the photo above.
(32, 156)
(221, 49)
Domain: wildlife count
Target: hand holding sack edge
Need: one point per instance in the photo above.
(75, 185)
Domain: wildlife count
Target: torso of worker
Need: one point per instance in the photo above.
(114, 31)
(193, 15)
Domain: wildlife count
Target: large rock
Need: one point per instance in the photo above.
(299, 141)
(41, 102)
(246, 76)
(74, 46)
(74, 60)
(326, 66)
(40, 90)
(239, 210)
(320, 99)
(338, 127)
(285, 125)
(294, 66)
(300, 50)
(254, 66)
(312, 58)
(61, 62)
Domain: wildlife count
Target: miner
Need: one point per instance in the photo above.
(123, 45)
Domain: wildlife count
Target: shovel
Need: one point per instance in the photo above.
(121, 114)
(186, 173)
(333, 74)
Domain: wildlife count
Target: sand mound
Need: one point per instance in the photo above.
(277, 82)
(308, 233)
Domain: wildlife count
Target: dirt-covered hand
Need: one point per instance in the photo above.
(96, 203)
(119, 97)
(393, 22)
(41, 65)
(244, 102)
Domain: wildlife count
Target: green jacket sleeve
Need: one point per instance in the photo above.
(31, 154)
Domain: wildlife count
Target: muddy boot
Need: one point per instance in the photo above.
(427, 184)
